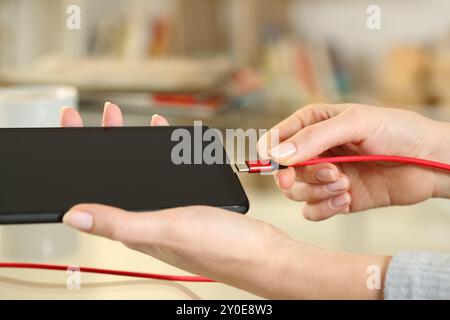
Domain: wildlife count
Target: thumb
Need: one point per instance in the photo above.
(115, 223)
(311, 141)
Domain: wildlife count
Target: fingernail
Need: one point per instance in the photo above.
(78, 220)
(341, 184)
(282, 151)
(340, 200)
(326, 175)
(107, 103)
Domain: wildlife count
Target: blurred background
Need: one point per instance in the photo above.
(231, 64)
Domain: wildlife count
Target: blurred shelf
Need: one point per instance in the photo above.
(96, 74)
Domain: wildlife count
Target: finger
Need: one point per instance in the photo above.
(313, 140)
(158, 121)
(301, 191)
(117, 224)
(319, 174)
(287, 128)
(285, 178)
(112, 116)
(321, 210)
(70, 117)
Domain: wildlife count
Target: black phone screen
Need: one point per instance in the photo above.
(45, 171)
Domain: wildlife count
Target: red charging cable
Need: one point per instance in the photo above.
(23, 265)
(266, 165)
(251, 167)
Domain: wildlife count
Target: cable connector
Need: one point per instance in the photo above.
(258, 166)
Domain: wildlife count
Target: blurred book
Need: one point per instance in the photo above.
(404, 76)
(203, 105)
(135, 34)
(305, 71)
(440, 75)
(242, 89)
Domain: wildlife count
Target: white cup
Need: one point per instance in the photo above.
(35, 106)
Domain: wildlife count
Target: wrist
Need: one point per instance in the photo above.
(261, 270)
(314, 273)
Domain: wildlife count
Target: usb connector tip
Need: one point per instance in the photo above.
(258, 166)
(242, 167)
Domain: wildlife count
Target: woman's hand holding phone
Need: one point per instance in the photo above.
(211, 242)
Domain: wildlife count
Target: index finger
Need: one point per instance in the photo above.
(302, 118)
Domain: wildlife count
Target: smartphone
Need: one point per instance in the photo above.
(45, 171)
